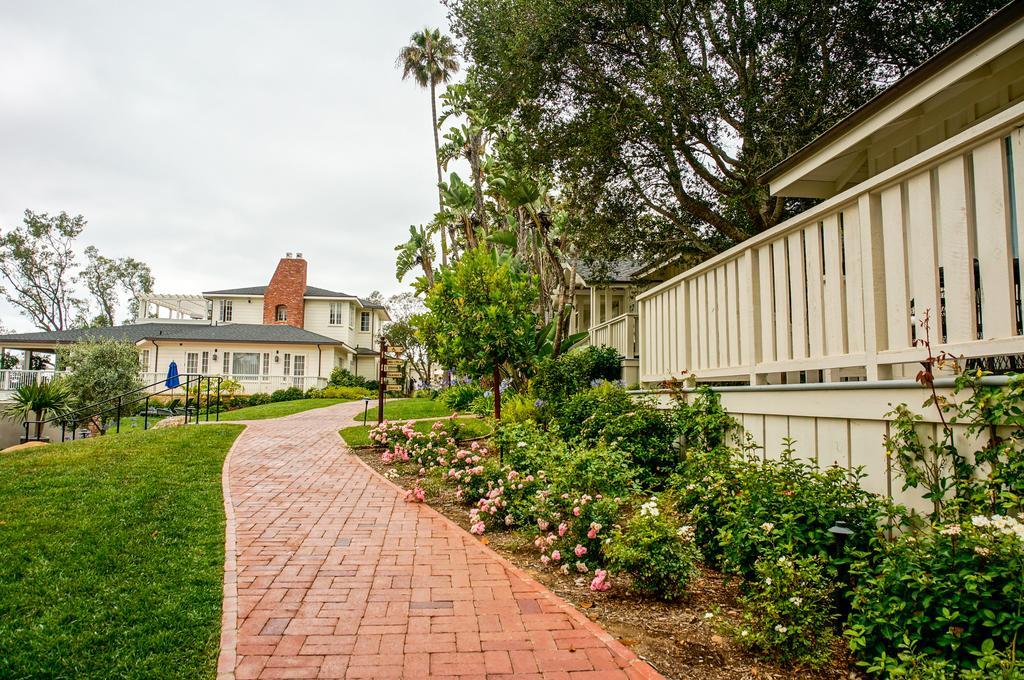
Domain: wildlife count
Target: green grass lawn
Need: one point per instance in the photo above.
(112, 556)
(408, 409)
(278, 409)
(469, 428)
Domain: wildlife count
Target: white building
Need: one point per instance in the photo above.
(283, 334)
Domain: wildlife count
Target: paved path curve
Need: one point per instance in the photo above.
(329, 573)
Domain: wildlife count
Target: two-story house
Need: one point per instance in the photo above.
(266, 337)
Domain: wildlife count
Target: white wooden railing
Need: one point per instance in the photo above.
(12, 379)
(835, 290)
(619, 332)
(252, 384)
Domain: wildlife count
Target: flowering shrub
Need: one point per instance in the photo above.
(401, 442)
(584, 415)
(656, 550)
(942, 593)
(745, 509)
(788, 610)
(601, 470)
(575, 524)
(528, 448)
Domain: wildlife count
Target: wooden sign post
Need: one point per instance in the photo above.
(381, 379)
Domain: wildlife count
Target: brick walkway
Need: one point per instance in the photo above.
(337, 576)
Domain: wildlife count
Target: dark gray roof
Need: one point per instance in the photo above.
(231, 332)
(619, 271)
(311, 291)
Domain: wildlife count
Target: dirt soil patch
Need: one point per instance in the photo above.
(678, 639)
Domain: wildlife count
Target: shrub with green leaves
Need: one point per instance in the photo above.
(289, 394)
(460, 396)
(342, 377)
(583, 416)
(656, 550)
(942, 593)
(789, 612)
(560, 378)
(649, 437)
(528, 448)
(745, 508)
(600, 470)
(483, 405)
(258, 399)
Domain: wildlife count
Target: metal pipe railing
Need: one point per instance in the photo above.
(119, 402)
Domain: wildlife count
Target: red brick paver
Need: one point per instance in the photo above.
(338, 577)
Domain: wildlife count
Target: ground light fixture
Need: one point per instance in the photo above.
(366, 408)
(841, 535)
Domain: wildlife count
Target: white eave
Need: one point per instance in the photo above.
(975, 77)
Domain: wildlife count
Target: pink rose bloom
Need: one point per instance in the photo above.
(576, 511)
(562, 528)
(580, 550)
(600, 582)
(556, 555)
(477, 528)
(542, 525)
(545, 559)
(582, 568)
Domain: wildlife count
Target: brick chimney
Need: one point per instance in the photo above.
(287, 290)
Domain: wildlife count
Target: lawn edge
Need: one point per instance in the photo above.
(228, 656)
(635, 664)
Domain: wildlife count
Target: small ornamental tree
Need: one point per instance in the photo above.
(99, 370)
(482, 315)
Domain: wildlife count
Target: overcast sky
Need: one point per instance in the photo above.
(209, 138)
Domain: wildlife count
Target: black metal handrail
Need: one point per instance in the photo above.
(119, 402)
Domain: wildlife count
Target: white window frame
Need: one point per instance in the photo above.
(287, 363)
(266, 366)
(364, 322)
(227, 309)
(192, 362)
(298, 369)
(144, 360)
(281, 313)
(204, 363)
(337, 314)
(226, 366)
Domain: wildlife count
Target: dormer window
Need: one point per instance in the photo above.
(226, 310)
(281, 313)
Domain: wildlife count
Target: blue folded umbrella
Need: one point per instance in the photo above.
(172, 376)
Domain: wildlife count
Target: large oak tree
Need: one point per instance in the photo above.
(658, 116)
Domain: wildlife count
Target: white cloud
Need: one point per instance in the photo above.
(209, 138)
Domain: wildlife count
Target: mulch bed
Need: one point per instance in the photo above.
(675, 638)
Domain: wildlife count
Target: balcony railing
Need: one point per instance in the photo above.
(253, 384)
(835, 291)
(12, 379)
(619, 332)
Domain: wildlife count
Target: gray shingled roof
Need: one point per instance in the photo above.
(311, 291)
(231, 332)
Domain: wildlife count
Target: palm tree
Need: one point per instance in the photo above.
(38, 398)
(430, 59)
(418, 250)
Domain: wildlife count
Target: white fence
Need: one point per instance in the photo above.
(833, 293)
(12, 379)
(620, 333)
(252, 384)
(841, 424)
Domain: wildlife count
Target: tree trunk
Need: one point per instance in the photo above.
(437, 164)
(567, 285)
(497, 391)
